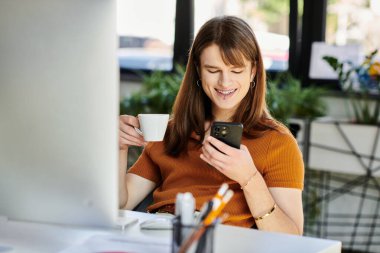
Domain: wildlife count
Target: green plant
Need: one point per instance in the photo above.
(287, 98)
(157, 93)
(310, 196)
(360, 82)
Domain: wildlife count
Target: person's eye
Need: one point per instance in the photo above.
(212, 71)
(237, 71)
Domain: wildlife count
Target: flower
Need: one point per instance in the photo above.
(360, 82)
(374, 70)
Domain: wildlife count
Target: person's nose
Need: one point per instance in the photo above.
(225, 79)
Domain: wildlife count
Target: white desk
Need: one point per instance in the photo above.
(36, 237)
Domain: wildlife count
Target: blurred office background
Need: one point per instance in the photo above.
(154, 34)
(342, 184)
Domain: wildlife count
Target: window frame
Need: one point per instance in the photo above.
(184, 28)
(301, 36)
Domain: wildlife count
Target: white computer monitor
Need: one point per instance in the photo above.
(59, 111)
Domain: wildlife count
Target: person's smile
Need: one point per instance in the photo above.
(225, 93)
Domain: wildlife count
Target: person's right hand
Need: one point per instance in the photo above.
(128, 135)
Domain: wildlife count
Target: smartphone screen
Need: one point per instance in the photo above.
(228, 132)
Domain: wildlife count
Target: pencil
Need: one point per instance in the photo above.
(214, 213)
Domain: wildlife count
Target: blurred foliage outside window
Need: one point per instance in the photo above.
(268, 18)
(353, 22)
(158, 92)
(287, 98)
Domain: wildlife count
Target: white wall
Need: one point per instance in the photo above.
(340, 107)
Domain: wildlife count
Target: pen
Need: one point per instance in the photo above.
(205, 210)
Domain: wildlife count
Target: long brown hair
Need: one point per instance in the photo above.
(192, 107)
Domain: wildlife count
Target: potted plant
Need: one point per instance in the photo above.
(360, 82)
(350, 147)
(292, 104)
(335, 145)
(345, 158)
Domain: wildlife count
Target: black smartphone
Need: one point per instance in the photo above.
(228, 132)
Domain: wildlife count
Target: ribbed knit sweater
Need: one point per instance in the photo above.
(275, 154)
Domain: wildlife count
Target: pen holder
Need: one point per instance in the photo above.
(205, 243)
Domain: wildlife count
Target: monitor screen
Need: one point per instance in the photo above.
(59, 111)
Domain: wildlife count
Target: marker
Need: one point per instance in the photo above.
(178, 204)
(187, 209)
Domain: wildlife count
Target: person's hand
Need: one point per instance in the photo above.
(128, 136)
(236, 164)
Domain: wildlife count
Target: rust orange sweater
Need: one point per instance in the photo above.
(275, 154)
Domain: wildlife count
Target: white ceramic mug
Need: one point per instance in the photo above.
(153, 126)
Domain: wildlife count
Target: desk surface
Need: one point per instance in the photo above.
(36, 237)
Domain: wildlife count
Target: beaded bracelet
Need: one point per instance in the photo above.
(267, 214)
(250, 178)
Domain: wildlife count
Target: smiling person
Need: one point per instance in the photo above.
(224, 81)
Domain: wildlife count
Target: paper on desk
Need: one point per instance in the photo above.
(122, 243)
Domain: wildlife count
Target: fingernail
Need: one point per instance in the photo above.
(138, 131)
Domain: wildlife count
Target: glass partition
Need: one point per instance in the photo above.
(268, 18)
(146, 34)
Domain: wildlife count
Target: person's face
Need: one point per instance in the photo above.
(225, 85)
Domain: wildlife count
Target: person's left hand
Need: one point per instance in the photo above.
(236, 164)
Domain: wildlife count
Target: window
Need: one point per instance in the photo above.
(268, 18)
(146, 34)
(353, 22)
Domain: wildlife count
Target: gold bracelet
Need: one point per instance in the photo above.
(250, 178)
(267, 214)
